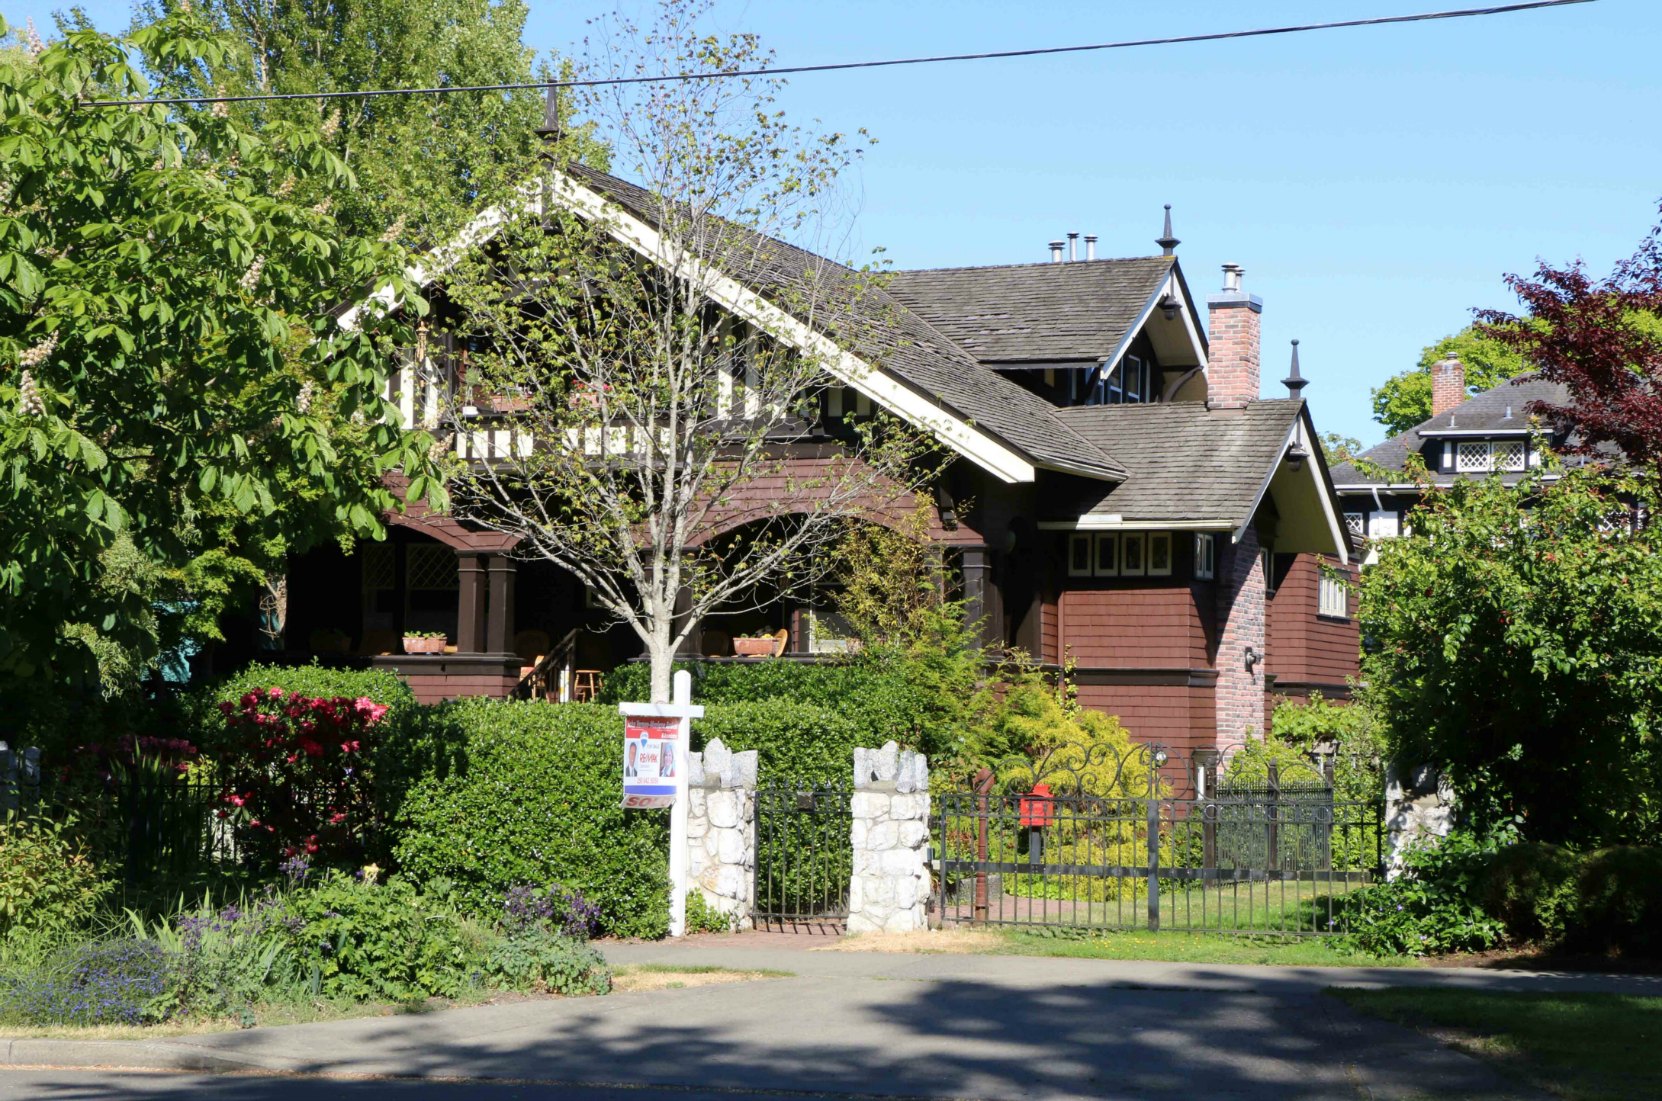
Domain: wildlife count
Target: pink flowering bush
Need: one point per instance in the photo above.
(296, 775)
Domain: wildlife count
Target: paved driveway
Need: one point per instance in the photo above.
(868, 1025)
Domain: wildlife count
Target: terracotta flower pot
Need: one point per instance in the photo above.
(754, 647)
(414, 645)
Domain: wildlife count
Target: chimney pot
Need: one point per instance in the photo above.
(1055, 252)
(1073, 247)
(1448, 384)
(1090, 246)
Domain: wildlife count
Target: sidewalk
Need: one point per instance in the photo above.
(879, 1024)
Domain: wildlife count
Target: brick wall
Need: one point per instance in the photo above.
(1448, 384)
(1241, 624)
(1232, 325)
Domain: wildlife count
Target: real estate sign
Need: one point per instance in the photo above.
(649, 761)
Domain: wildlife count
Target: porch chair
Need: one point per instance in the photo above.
(781, 640)
(532, 646)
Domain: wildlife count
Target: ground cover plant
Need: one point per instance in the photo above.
(1584, 1047)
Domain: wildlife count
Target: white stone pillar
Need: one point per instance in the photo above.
(888, 889)
(721, 830)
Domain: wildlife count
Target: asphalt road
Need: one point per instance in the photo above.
(854, 1025)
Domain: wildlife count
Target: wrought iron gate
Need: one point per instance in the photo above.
(803, 856)
(1085, 839)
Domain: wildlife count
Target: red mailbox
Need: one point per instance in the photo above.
(1038, 807)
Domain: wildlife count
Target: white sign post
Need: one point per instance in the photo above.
(656, 741)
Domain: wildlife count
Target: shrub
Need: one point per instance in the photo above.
(229, 958)
(704, 918)
(365, 940)
(49, 886)
(1434, 906)
(122, 981)
(794, 742)
(536, 798)
(540, 958)
(525, 907)
(1531, 889)
(297, 775)
(1619, 902)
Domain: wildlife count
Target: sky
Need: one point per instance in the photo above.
(1376, 184)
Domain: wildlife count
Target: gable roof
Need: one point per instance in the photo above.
(1481, 415)
(1036, 312)
(895, 339)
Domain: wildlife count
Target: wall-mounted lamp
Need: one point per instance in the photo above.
(1169, 305)
(1253, 657)
(1296, 455)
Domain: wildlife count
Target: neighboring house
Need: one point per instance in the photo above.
(1465, 438)
(1119, 494)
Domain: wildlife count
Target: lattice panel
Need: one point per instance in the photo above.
(1357, 523)
(1509, 454)
(430, 567)
(1472, 458)
(379, 572)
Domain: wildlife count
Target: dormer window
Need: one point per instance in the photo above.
(1486, 456)
(1129, 383)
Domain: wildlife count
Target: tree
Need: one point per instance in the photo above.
(659, 431)
(177, 404)
(1405, 400)
(1514, 638)
(1602, 340)
(422, 161)
(1340, 449)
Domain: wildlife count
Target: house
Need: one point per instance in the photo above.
(1465, 437)
(1118, 494)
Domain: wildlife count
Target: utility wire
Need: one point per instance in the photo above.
(840, 66)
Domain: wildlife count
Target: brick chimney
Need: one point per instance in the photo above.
(1233, 320)
(1448, 384)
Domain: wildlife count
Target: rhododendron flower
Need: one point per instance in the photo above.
(274, 693)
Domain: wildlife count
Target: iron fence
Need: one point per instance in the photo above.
(1101, 845)
(804, 856)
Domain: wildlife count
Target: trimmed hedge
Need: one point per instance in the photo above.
(795, 742)
(1618, 906)
(535, 797)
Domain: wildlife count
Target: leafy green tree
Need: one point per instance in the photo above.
(178, 406)
(422, 162)
(1515, 640)
(1405, 400)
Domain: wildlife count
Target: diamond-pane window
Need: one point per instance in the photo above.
(430, 566)
(1509, 454)
(378, 566)
(1357, 523)
(1472, 458)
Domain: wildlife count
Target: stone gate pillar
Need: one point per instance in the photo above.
(888, 888)
(721, 830)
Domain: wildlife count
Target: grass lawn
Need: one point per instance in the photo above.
(1585, 1047)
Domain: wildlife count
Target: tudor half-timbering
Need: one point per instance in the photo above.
(1118, 494)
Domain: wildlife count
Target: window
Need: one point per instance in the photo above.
(1132, 560)
(1130, 382)
(1206, 561)
(1159, 554)
(1333, 598)
(1357, 522)
(1266, 558)
(1107, 556)
(828, 632)
(1484, 456)
(1079, 554)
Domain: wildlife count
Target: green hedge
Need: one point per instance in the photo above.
(1607, 902)
(882, 696)
(534, 797)
(797, 742)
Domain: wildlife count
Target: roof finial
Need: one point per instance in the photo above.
(549, 131)
(1294, 382)
(1168, 244)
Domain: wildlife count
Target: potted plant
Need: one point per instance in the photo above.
(424, 642)
(755, 646)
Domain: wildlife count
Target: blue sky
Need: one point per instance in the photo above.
(1376, 184)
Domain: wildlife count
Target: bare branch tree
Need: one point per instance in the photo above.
(666, 374)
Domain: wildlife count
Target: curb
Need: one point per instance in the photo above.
(115, 1054)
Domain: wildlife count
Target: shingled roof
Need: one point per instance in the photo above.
(1035, 312)
(1186, 463)
(902, 342)
(1500, 410)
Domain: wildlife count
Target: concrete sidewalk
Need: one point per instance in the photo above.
(898, 1025)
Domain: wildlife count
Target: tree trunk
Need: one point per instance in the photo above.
(662, 655)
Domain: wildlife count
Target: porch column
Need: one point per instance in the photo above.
(470, 603)
(977, 567)
(499, 613)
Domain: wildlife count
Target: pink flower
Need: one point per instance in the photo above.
(274, 693)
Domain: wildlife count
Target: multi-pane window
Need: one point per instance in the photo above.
(1333, 597)
(1357, 522)
(1129, 383)
(1485, 456)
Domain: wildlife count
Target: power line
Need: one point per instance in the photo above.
(840, 66)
